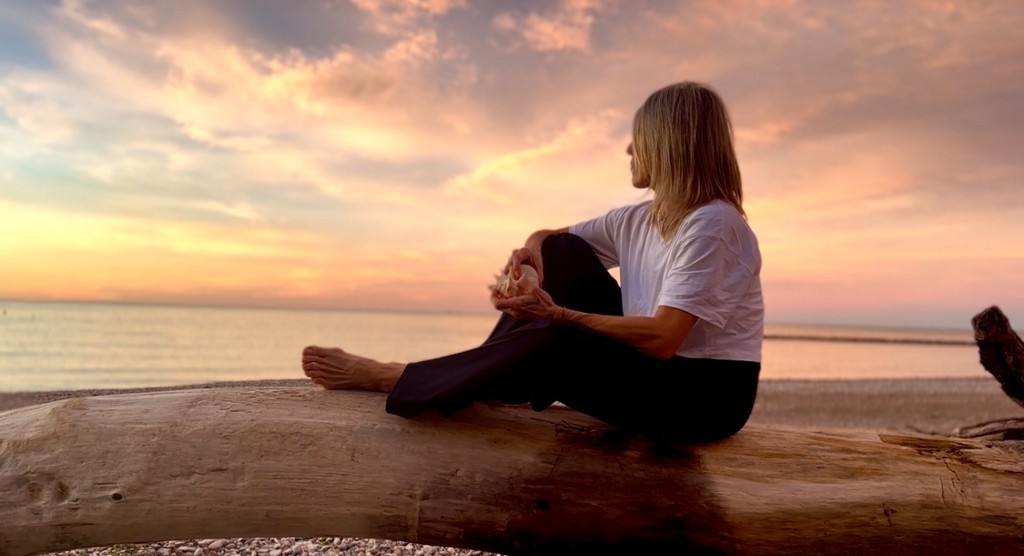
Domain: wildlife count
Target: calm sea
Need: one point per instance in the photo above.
(56, 346)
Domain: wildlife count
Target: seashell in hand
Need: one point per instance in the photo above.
(507, 286)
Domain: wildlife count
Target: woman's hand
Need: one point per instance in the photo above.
(534, 304)
(529, 255)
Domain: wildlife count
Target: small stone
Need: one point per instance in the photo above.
(198, 552)
(217, 544)
(275, 553)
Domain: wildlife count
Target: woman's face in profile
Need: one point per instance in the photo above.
(642, 184)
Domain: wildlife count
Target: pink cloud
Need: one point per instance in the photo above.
(564, 29)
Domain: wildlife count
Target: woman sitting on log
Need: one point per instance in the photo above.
(676, 351)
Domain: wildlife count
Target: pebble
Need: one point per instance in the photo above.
(325, 546)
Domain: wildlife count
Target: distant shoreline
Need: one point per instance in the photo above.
(869, 340)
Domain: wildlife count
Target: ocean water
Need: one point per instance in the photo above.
(57, 346)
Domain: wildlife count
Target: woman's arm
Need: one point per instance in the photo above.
(658, 336)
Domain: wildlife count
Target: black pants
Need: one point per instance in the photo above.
(543, 361)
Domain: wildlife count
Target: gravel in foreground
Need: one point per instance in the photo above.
(324, 546)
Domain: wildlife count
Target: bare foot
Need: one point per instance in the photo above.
(336, 369)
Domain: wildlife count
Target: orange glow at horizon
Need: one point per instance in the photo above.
(389, 156)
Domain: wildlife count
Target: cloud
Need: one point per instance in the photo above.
(45, 122)
(418, 48)
(105, 28)
(211, 103)
(414, 143)
(397, 17)
(241, 211)
(566, 28)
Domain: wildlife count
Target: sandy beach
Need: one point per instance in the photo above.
(934, 406)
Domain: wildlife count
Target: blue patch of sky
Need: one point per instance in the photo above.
(39, 181)
(19, 46)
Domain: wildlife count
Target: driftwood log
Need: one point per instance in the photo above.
(1002, 355)
(238, 462)
(1001, 351)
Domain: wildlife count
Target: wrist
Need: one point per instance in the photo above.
(558, 313)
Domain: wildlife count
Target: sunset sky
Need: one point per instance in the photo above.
(377, 154)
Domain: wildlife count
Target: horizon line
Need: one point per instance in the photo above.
(459, 312)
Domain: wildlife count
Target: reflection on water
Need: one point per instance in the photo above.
(50, 346)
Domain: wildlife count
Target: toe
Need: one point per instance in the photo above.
(311, 350)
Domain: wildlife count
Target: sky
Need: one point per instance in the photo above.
(387, 155)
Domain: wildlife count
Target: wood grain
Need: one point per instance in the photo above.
(236, 462)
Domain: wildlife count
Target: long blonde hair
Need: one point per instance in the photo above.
(683, 151)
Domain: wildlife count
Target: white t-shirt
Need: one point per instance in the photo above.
(709, 268)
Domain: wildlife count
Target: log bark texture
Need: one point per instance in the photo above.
(304, 462)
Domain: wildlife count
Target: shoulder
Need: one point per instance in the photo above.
(615, 226)
(722, 224)
(638, 211)
(716, 218)
(626, 217)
